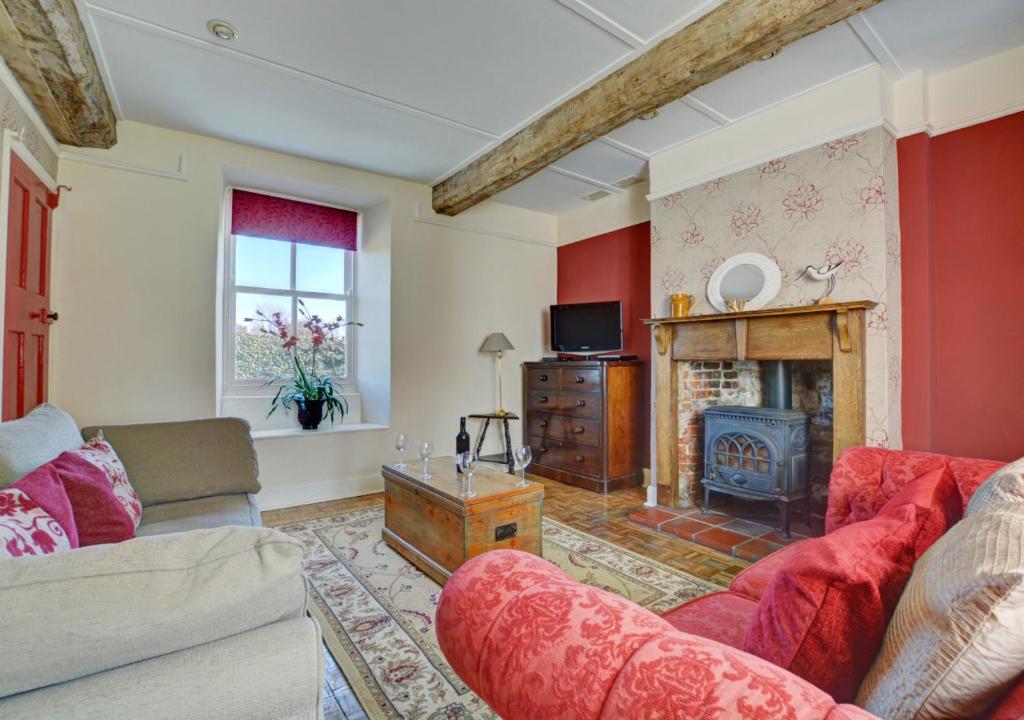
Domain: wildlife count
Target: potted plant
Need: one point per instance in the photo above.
(310, 391)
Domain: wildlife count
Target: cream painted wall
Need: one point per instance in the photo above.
(135, 275)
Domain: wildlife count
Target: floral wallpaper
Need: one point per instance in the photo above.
(13, 117)
(837, 201)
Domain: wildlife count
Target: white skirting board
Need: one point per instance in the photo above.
(274, 498)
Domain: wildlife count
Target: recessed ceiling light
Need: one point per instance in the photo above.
(649, 115)
(222, 29)
(769, 55)
(596, 195)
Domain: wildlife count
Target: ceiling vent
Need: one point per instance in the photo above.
(628, 181)
(596, 195)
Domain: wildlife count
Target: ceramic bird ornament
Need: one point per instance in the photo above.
(825, 272)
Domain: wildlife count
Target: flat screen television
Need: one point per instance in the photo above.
(587, 328)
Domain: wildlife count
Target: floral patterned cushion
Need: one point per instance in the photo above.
(99, 453)
(26, 529)
(47, 491)
(535, 644)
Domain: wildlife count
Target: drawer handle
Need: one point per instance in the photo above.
(581, 403)
(542, 400)
(739, 479)
(580, 379)
(543, 378)
(579, 458)
(542, 449)
(543, 423)
(577, 430)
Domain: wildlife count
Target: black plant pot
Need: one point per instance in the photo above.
(311, 413)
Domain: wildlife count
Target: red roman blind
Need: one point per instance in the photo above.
(277, 218)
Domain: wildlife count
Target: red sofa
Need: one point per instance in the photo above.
(535, 644)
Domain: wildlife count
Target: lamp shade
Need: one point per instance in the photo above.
(496, 342)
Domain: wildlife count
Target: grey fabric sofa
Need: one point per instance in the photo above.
(202, 615)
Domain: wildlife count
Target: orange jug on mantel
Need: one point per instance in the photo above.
(682, 304)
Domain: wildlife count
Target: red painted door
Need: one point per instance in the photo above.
(27, 316)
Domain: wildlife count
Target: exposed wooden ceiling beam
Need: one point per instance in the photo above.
(730, 36)
(45, 45)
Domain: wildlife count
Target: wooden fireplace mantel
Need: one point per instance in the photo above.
(834, 332)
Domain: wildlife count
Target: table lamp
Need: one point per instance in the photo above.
(497, 343)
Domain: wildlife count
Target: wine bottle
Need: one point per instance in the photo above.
(461, 442)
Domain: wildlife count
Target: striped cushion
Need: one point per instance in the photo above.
(956, 641)
(1003, 490)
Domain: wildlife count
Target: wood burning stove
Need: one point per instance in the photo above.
(759, 453)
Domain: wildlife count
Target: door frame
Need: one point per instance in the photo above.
(13, 142)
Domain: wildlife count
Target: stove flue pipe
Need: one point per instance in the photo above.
(778, 385)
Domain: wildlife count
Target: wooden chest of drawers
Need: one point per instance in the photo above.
(583, 422)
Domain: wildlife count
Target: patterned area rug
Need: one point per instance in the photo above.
(377, 610)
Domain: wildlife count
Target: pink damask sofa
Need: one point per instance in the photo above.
(535, 644)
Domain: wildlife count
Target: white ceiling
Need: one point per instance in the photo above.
(417, 89)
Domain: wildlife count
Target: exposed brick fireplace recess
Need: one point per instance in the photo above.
(705, 384)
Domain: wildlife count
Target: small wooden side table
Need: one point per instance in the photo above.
(497, 458)
(435, 527)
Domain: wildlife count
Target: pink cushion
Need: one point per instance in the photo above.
(100, 453)
(723, 617)
(43, 485)
(1012, 705)
(99, 515)
(864, 479)
(824, 615)
(27, 529)
(752, 581)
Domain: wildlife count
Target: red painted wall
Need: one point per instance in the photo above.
(615, 266)
(962, 223)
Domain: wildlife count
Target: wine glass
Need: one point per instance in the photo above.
(468, 463)
(425, 450)
(401, 443)
(523, 457)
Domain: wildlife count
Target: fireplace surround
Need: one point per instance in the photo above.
(832, 336)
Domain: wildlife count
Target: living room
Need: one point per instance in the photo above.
(570, 359)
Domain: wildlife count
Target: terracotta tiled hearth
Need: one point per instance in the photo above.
(747, 532)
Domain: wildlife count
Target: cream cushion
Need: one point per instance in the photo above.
(34, 440)
(956, 640)
(1001, 491)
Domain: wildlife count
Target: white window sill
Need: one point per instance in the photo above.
(325, 429)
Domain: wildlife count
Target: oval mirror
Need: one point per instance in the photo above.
(747, 276)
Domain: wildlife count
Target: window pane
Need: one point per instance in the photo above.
(258, 354)
(330, 356)
(263, 263)
(319, 269)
